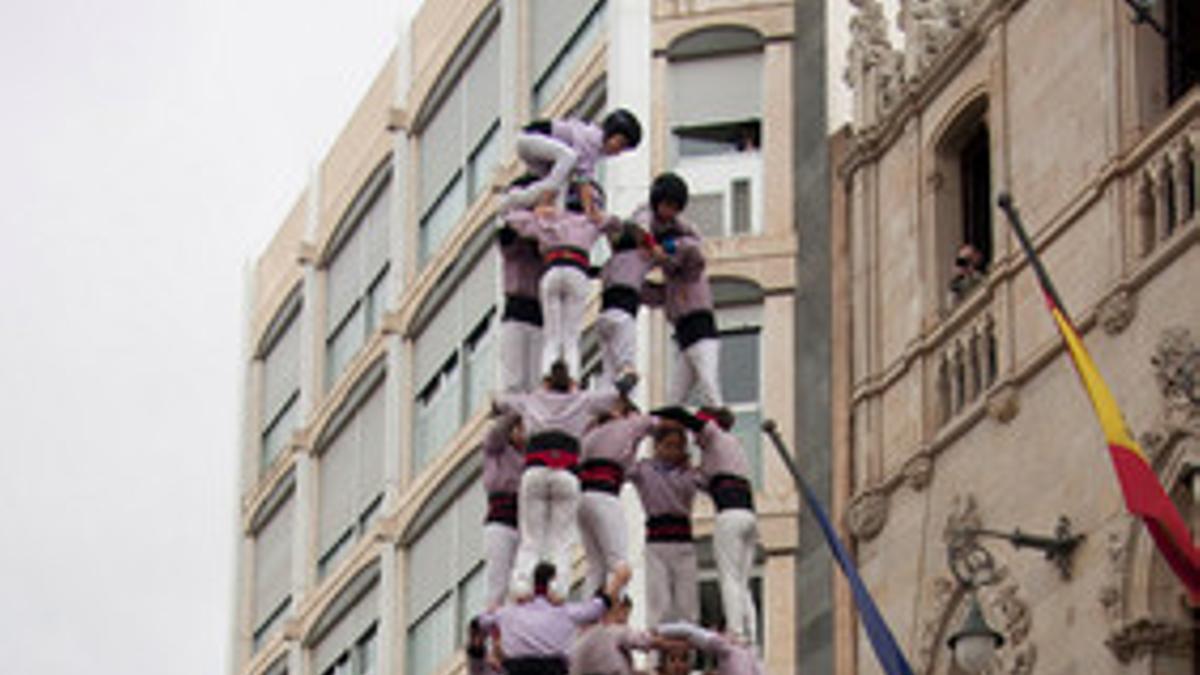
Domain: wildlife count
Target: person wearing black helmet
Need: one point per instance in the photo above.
(685, 295)
(567, 150)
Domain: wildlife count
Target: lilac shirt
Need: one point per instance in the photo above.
(585, 138)
(617, 439)
(665, 489)
(540, 628)
(569, 412)
(562, 229)
(721, 453)
(686, 289)
(732, 658)
(522, 267)
(627, 268)
(502, 463)
(604, 649)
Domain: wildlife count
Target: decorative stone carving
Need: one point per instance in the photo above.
(1117, 312)
(1145, 636)
(918, 470)
(1003, 404)
(867, 515)
(874, 69)
(1112, 593)
(1014, 613)
(963, 515)
(1176, 364)
(1022, 660)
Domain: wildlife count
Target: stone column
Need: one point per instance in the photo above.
(811, 435)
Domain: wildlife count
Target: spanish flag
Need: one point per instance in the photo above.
(1144, 495)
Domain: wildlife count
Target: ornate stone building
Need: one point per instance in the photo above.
(957, 407)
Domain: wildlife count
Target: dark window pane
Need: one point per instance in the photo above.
(740, 366)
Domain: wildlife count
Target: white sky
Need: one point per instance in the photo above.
(149, 150)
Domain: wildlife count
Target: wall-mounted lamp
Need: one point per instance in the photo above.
(974, 644)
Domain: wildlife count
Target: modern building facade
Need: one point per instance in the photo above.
(959, 409)
(371, 331)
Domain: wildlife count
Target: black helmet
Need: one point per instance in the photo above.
(621, 121)
(669, 187)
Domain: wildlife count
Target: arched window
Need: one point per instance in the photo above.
(963, 202)
(715, 84)
(356, 267)
(279, 353)
(271, 530)
(350, 470)
(444, 570)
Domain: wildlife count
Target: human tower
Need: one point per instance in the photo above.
(556, 456)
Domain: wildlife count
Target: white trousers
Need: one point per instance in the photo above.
(602, 530)
(735, 536)
(547, 157)
(564, 291)
(520, 356)
(697, 366)
(671, 591)
(546, 510)
(500, 543)
(617, 330)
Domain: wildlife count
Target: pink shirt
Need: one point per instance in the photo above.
(722, 453)
(502, 463)
(569, 412)
(540, 628)
(585, 138)
(617, 440)
(732, 658)
(604, 649)
(665, 489)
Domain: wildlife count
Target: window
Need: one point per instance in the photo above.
(346, 634)
(445, 580)
(1183, 49)
(459, 140)
(272, 531)
(715, 140)
(281, 380)
(455, 353)
(350, 471)
(963, 203)
(357, 275)
(731, 59)
(561, 34)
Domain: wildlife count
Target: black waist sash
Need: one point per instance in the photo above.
(621, 297)
(669, 528)
(522, 308)
(695, 326)
(731, 492)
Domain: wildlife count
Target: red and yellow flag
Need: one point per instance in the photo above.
(1144, 494)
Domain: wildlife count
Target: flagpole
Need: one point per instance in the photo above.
(1005, 201)
(887, 651)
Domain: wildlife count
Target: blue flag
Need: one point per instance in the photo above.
(887, 652)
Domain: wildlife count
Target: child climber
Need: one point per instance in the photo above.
(563, 150)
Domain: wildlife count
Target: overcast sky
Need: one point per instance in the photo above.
(148, 150)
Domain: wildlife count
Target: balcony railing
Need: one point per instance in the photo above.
(1167, 184)
(967, 364)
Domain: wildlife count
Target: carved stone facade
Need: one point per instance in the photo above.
(970, 414)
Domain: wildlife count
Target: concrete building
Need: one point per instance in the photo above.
(370, 338)
(959, 409)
